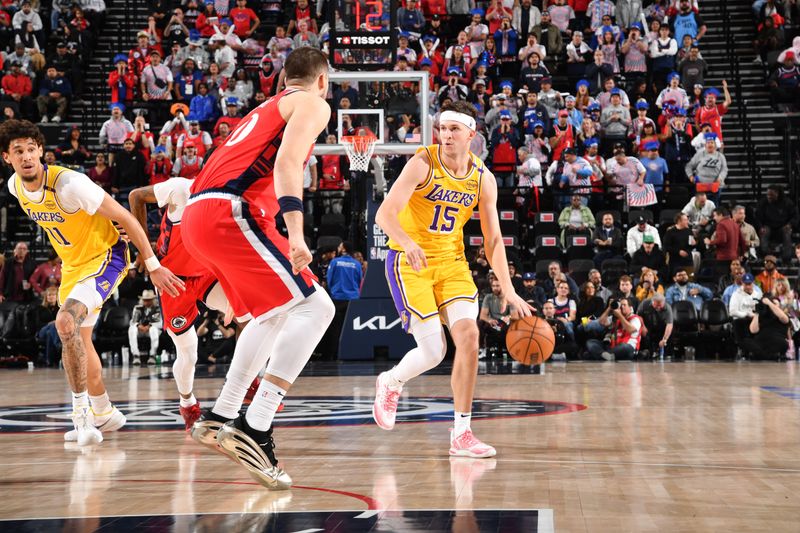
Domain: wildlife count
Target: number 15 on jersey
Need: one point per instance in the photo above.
(444, 218)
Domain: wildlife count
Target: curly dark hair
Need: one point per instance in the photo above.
(461, 106)
(12, 130)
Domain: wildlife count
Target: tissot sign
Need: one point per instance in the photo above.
(362, 40)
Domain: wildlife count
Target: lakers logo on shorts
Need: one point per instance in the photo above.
(104, 285)
(178, 322)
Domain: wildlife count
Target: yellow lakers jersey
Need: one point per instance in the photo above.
(440, 206)
(77, 237)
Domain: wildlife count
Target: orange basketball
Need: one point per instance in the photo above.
(530, 340)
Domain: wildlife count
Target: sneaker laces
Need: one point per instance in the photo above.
(267, 445)
(389, 399)
(468, 439)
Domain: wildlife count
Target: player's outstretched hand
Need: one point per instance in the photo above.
(165, 281)
(299, 254)
(415, 257)
(520, 306)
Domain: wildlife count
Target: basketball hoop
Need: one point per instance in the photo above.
(359, 150)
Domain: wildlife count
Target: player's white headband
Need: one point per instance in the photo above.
(455, 116)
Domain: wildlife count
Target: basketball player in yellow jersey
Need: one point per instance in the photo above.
(431, 283)
(77, 216)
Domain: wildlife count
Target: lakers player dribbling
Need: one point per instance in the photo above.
(430, 281)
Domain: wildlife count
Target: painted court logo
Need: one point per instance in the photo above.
(301, 411)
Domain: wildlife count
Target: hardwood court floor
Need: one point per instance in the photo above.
(658, 447)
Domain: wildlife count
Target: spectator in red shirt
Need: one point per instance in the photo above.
(17, 86)
(47, 274)
(139, 57)
(121, 81)
(712, 112)
(224, 130)
(245, 20)
(232, 117)
(160, 168)
(333, 182)
(205, 20)
(728, 239)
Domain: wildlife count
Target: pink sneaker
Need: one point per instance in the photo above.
(385, 407)
(467, 445)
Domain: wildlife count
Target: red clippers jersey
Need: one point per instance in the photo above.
(170, 248)
(713, 116)
(243, 164)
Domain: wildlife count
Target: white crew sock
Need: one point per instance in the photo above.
(252, 351)
(80, 400)
(188, 402)
(264, 406)
(101, 405)
(462, 421)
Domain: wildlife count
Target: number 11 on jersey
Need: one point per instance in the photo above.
(444, 218)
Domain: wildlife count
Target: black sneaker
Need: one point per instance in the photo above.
(206, 428)
(254, 450)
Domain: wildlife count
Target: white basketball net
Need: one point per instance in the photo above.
(359, 150)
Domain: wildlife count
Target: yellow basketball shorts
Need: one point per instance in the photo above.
(425, 293)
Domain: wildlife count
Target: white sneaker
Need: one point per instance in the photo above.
(44, 120)
(107, 422)
(608, 356)
(56, 119)
(384, 409)
(86, 433)
(137, 361)
(482, 353)
(559, 357)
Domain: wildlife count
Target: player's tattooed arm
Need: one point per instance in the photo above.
(139, 198)
(68, 322)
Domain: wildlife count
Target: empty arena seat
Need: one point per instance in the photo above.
(112, 331)
(612, 270)
(579, 270)
(579, 247)
(667, 218)
(545, 224)
(548, 247)
(684, 322)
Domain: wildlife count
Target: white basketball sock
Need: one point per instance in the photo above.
(188, 402)
(265, 404)
(461, 423)
(428, 354)
(252, 351)
(80, 400)
(101, 405)
(183, 367)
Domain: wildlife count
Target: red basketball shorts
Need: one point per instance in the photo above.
(246, 253)
(179, 313)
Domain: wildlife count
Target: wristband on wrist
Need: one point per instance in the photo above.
(152, 263)
(290, 203)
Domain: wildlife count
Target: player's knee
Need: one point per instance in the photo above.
(185, 346)
(433, 348)
(323, 307)
(65, 325)
(466, 336)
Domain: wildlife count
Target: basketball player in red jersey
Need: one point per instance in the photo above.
(229, 225)
(179, 313)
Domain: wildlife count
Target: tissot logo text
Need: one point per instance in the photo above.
(364, 39)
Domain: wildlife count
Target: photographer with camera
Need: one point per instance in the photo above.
(145, 322)
(625, 332)
(768, 328)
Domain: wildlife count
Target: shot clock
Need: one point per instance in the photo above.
(363, 35)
